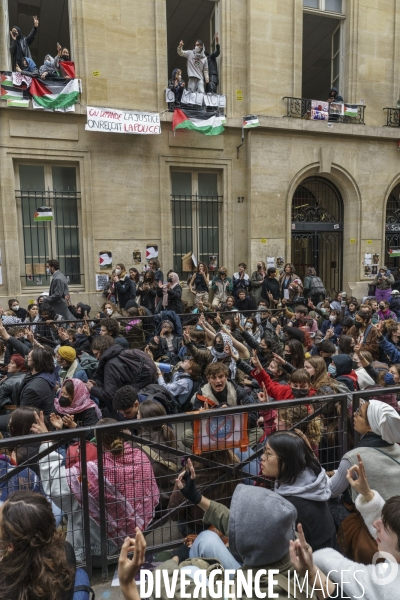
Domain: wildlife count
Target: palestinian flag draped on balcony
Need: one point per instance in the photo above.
(55, 94)
(198, 120)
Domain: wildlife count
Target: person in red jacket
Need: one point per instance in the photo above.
(298, 387)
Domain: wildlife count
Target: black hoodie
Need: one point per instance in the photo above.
(19, 48)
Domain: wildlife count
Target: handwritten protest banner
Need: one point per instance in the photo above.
(197, 99)
(122, 121)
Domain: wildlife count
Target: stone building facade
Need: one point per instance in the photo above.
(312, 192)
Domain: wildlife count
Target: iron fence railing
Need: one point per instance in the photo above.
(99, 502)
(392, 117)
(301, 108)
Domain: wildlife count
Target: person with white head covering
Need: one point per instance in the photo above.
(379, 427)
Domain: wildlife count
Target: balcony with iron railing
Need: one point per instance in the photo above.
(392, 117)
(302, 108)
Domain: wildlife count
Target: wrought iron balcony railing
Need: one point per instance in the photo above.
(392, 117)
(301, 108)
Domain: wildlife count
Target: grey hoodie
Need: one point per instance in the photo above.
(308, 486)
(197, 64)
(261, 524)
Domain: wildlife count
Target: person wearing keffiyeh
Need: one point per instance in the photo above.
(217, 350)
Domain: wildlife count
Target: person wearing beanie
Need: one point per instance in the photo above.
(16, 371)
(68, 365)
(259, 524)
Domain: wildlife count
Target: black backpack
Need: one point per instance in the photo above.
(317, 287)
(160, 394)
(142, 369)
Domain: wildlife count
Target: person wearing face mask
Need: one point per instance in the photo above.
(125, 287)
(58, 292)
(334, 325)
(341, 369)
(197, 66)
(364, 333)
(47, 70)
(384, 312)
(19, 46)
(383, 282)
(18, 311)
(299, 386)
(171, 294)
(257, 279)
(74, 407)
(110, 310)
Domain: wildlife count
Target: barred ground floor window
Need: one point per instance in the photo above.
(196, 213)
(49, 205)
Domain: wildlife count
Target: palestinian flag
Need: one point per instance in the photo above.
(67, 68)
(44, 213)
(250, 121)
(197, 120)
(9, 91)
(55, 94)
(350, 110)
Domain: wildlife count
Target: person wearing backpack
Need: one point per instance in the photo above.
(183, 381)
(118, 367)
(313, 289)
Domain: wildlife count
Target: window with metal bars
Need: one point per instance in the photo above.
(54, 187)
(196, 206)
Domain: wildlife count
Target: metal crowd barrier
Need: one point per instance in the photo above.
(96, 498)
(139, 335)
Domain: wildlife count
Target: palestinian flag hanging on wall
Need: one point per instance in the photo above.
(43, 213)
(198, 120)
(55, 94)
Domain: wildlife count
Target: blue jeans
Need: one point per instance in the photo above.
(209, 545)
(253, 467)
(81, 578)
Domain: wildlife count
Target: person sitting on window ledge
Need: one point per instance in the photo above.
(47, 70)
(29, 67)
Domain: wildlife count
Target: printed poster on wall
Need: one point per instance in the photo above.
(319, 110)
(101, 281)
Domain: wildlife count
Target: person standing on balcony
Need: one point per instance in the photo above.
(58, 292)
(213, 68)
(197, 66)
(19, 47)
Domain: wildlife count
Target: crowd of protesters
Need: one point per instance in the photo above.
(146, 354)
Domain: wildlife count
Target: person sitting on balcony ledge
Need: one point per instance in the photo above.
(29, 67)
(47, 69)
